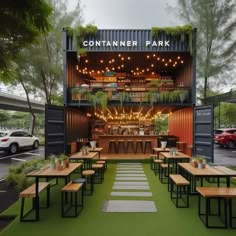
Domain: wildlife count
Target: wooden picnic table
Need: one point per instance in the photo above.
(47, 172)
(193, 173)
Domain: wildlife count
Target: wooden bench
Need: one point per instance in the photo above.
(75, 204)
(31, 193)
(180, 186)
(156, 165)
(89, 176)
(219, 194)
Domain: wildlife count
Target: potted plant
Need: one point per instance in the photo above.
(77, 93)
(52, 159)
(64, 160)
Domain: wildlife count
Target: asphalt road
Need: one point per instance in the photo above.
(222, 156)
(9, 160)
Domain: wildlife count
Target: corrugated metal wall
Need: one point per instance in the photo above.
(141, 36)
(185, 75)
(78, 125)
(181, 125)
(71, 73)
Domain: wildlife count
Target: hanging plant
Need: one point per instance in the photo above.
(100, 99)
(152, 96)
(183, 95)
(124, 97)
(79, 34)
(77, 93)
(177, 31)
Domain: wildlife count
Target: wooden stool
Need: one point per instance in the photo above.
(147, 144)
(156, 165)
(89, 176)
(99, 173)
(73, 189)
(112, 145)
(139, 143)
(121, 143)
(103, 163)
(163, 173)
(128, 144)
(104, 159)
(152, 158)
(180, 186)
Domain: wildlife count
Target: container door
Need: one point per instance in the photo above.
(203, 132)
(55, 130)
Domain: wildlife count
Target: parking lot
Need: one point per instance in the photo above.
(9, 160)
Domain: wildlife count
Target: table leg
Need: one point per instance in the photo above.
(37, 199)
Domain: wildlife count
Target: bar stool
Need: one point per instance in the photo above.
(152, 158)
(89, 176)
(104, 159)
(99, 173)
(139, 143)
(121, 143)
(103, 163)
(156, 166)
(130, 143)
(147, 144)
(112, 144)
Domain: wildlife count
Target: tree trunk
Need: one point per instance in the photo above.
(205, 90)
(30, 106)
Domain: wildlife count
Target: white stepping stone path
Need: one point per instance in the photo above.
(129, 206)
(132, 194)
(137, 187)
(130, 177)
(133, 183)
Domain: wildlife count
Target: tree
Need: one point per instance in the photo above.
(216, 23)
(47, 57)
(20, 24)
(4, 117)
(39, 67)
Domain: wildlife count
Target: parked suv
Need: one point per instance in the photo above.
(12, 141)
(225, 137)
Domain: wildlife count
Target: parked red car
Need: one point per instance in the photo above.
(225, 137)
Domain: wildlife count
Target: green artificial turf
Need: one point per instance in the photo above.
(168, 220)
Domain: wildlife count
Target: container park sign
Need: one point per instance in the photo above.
(128, 43)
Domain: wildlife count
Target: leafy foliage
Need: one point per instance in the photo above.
(21, 23)
(215, 21)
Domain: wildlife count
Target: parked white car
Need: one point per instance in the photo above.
(12, 141)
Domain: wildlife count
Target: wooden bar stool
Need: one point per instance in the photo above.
(99, 172)
(139, 143)
(104, 159)
(147, 144)
(89, 176)
(112, 145)
(103, 163)
(130, 144)
(156, 165)
(121, 144)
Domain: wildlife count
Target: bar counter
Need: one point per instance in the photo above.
(104, 140)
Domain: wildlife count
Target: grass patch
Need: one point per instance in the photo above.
(168, 220)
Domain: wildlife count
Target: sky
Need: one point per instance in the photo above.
(128, 14)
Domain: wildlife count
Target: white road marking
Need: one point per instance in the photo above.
(1, 191)
(27, 153)
(2, 179)
(16, 159)
(31, 153)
